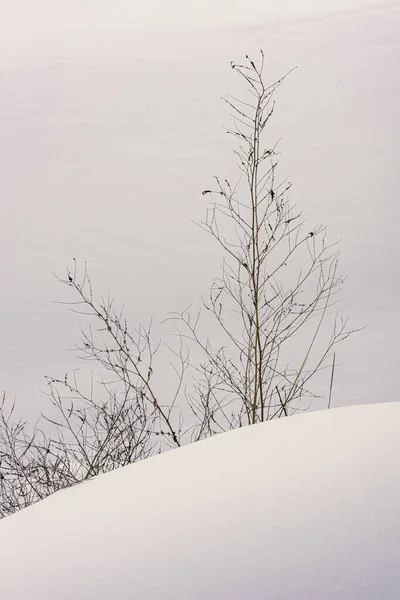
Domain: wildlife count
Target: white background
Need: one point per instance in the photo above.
(111, 125)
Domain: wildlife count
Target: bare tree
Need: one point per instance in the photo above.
(87, 437)
(279, 278)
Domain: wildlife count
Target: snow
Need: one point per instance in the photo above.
(303, 507)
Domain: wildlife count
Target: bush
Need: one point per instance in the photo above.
(278, 277)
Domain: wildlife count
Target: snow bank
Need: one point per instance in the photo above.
(302, 508)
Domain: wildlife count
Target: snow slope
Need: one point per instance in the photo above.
(302, 508)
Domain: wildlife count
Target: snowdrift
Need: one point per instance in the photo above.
(302, 508)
